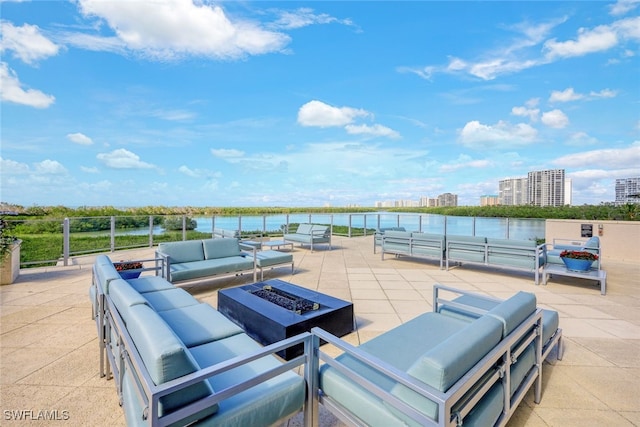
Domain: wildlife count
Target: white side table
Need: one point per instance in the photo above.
(560, 270)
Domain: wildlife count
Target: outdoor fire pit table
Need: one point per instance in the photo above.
(273, 310)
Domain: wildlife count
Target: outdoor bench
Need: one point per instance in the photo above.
(517, 254)
(176, 361)
(379, 233)
(438, 369)
(310, 234)
(422, 245)
(197, 259)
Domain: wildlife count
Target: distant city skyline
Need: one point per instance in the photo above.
(259, 103)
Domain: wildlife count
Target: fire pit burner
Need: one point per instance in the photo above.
(286, 300)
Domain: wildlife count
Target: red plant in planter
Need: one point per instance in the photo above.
(587, 256)
(127, 265)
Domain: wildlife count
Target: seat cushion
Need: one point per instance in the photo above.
(124, 297)
(210, 267)
(269, 258)
(199, 324)
(304, 229)
(263, 404)
(178, 252)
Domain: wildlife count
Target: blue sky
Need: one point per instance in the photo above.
(201, 103)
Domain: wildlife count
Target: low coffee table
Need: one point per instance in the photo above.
(271, 244)
(560, 270)
(267, 322)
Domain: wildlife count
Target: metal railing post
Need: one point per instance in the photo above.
(507, 228)
(364, 224)
(473, 226)
(213, 225)
(349, 231)
(184, 227)
(150, 231)
(65, 241)
(113, 234)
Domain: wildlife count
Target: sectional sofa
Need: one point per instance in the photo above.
(589, 245)
(424, 245)
(176, 361)
(197, 259)
(458, 365)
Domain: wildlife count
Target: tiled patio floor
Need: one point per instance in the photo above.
(49, 349)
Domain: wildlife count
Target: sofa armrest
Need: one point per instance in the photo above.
(166, 265)
(250, 250)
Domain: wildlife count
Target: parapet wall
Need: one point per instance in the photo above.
(619, 240)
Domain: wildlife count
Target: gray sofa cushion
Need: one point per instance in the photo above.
(220, 248)
(165, 357)
(199, 324)
(178, 252)
(105, 272)
(150, 284)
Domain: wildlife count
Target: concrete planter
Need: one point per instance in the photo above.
(10, 265)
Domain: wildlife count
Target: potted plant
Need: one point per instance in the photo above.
(9, 254)
(129, 269)
(578, 260)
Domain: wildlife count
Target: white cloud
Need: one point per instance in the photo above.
(123, 159)
(189, 172)
(623, 6)
(27, 42)
(528, 110)
(304, 17)
(565, 96)
(375, 130)
(11, 167)
(50, 167)
(613, 158)
(227, 153)
(171, 29)
(604, 93)
(502, 133)
(88, 169)
(555, 119)
(317, 113)
(581, 139)
(79, 138)
(11, 90)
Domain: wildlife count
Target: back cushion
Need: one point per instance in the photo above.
(190, 250)
(105, 272)
(446, 363)
(124, 297)
(397, 234)
(466, 239)
(304, 229)
(592, 243)
(165, 357)
(221, 248)
(513, 311)
(428, 236)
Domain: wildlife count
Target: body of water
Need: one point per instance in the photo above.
(519, 229)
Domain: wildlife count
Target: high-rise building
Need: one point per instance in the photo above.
(628, 190)
(448, 199)
(568, 191)
(513, 191)
(546, 188)
(489, 200)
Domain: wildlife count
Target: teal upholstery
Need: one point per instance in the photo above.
(414, 244)
(513, 311)
(263, 404)
(197, 259)
(210, 267)
(199, 324)
(105, 272)
(186, 251)
(466, 248)
(169, 299)
(516, 253)
(124, 297)
(150, 284)
(165, 358)
(220, 248)
(444, 364)
(310, 234)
